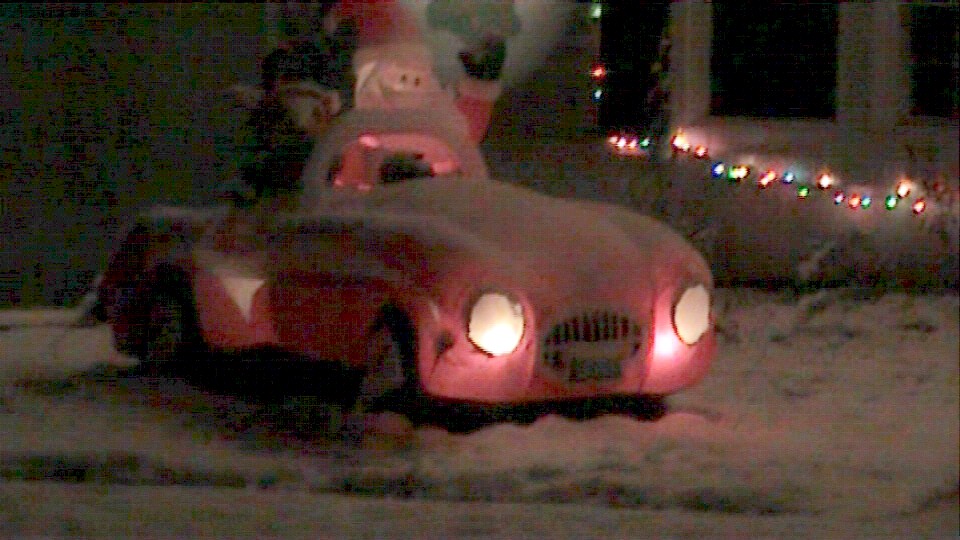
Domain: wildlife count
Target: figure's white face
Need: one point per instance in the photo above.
(311, 106)
(394, 84)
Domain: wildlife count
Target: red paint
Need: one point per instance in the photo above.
(221, 321)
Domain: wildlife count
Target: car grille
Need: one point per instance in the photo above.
(592, 346)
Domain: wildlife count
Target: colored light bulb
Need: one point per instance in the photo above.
(739, 172)
(803, 191)
(891, 202)
(838, 197)
(825, 181)
(919, 206)
(904, 188)
(855, 201)
(767, 178)
(718, 169)
(701, 152)
(596, 10)
(788, 177)
(866, 202)
(680, 142)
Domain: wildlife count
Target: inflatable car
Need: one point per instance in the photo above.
(442, 284)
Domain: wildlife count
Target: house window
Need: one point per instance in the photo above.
(934, 58)
(774, 59)
(629, 47)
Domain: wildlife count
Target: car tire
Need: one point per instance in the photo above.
(390, 377)
(650, 408)
(390, 382)
(171, 333)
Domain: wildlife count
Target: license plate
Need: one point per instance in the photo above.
(594, 369)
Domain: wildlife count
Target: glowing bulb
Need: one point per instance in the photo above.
(866, 202)
(904, 188)
(666, 345)
(691, 315)
(825, 181)
(788, 178)
(767, 178)
(803, 191)
(496, 324)
(919, 206)
(680, 142)
(891, 202)
(499, 339)
(645, 142)
(621, 143)
(446, 166)
(855, 201)
(596, 10)
(369, 141)
(633, 144)
(718, 169)
(739, 172)
(838, 197)
(598, 72)
(597, 94)
(701, 152)
(613, 139)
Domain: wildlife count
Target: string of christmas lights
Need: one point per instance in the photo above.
(598, 72)
(905, 192)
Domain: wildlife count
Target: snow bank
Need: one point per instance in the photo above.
(831, 404)
(816, 406)
(748, 235)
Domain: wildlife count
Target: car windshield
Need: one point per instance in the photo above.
(385, 158)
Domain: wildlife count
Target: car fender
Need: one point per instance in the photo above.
(159, 241)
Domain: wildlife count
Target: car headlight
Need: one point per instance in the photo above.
(496, 323)
(691, 315)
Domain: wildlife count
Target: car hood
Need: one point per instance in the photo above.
(511, 233)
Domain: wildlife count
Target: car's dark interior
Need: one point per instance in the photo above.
(403, 166)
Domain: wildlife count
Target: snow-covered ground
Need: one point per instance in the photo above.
(829, 414)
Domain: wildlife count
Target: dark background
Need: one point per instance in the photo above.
(629, 45)
(106, 108)
(935, 56)
(772, 59)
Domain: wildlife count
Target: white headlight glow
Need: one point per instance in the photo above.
(496, 324)
(691, 315)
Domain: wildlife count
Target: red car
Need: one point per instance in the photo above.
(450, 286)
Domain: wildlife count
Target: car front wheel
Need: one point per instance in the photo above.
(390, 381)
(389, 377)
(171, 332)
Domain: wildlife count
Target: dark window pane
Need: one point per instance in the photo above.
(774, 59)
(934, 58)
(629, 45)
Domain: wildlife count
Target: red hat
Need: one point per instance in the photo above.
(385, 31)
